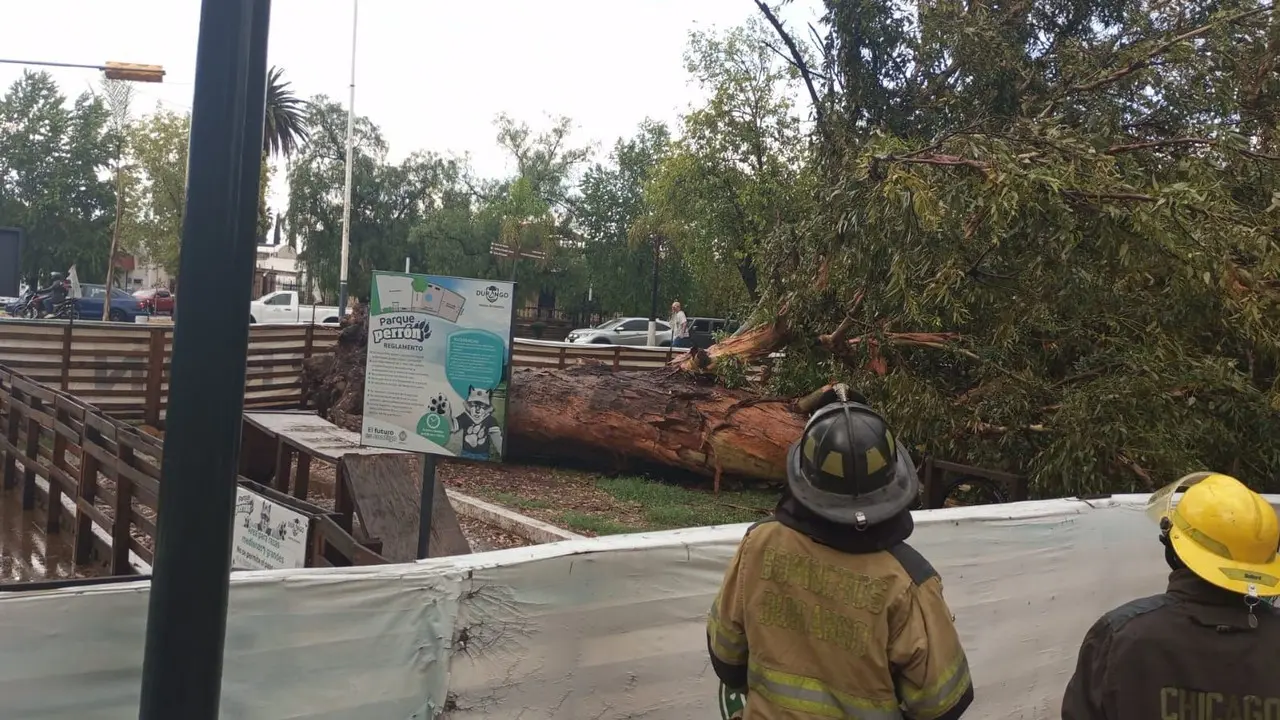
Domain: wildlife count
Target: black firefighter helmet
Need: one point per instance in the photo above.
(849, 468)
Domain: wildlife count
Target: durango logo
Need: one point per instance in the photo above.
(493, 294)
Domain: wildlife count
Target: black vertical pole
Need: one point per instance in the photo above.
(427, 507)
(186, 624)
(653, 307)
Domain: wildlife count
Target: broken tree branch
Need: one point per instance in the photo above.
(1146, 59)
(798, 60)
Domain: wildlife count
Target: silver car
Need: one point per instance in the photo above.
(622, 331)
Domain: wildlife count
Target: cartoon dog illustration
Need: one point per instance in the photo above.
(480, 431)
(264, 524)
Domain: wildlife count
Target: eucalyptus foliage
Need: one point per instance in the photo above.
(1076, 201)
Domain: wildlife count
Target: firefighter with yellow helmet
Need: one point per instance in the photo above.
(825, 611)
(1209, 646)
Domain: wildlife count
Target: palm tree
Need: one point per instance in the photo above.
(286, 117)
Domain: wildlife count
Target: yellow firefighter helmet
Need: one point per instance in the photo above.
(1222, 531)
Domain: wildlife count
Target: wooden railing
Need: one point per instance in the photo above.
(123, 369)
(539, 353)
(98, 477)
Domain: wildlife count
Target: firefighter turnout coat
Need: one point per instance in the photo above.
(1191, 653)
(814, 632)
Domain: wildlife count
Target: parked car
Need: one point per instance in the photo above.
(621, 331)
(124, 307)
(159, 301)
(702, 331)
(283, 308)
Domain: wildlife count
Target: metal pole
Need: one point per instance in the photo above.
(52, 64)
(186, 624)
(346, 193)
(653, 305)
(406, 264)
(426, 505)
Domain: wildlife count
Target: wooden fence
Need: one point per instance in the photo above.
(123, 369)
(539, 353)
(99, 477)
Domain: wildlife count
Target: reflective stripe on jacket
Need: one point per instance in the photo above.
(814, 632)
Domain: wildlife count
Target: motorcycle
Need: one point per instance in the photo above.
(26, 305)
(67, 309)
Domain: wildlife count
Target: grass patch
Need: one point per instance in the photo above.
(522, 503)
(664, 506)
(592, 523)
(596, 505)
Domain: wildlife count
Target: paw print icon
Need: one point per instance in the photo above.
(438, 405)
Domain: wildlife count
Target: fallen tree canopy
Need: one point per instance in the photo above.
(588, 415)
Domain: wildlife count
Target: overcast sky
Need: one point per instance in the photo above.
(433, 74)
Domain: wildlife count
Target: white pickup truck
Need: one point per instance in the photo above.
(282, 308)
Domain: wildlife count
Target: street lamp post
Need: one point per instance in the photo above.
(131, 72)
(346, 193)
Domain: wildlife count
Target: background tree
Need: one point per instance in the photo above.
(159, 145)
(387, 200)
(286, 128)
(612, 203)
(53, 160)
(735, 173)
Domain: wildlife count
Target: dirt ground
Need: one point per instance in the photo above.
(481, 536)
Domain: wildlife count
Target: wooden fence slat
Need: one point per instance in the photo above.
(66, 356)
(155, 376)
(13, 423)
(121, 538)
(86, 514)
(30, 460)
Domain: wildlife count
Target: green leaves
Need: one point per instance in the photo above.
(1083, 194)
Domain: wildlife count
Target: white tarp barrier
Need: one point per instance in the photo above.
(600, 629)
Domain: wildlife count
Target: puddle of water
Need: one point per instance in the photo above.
(25, 553)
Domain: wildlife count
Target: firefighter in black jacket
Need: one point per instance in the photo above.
(1209, 647)
(825, 611)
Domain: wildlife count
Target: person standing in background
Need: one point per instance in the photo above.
(679, 327)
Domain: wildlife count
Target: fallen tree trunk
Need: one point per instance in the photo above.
(588, 415)
(649, 418)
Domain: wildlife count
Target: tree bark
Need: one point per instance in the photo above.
(630, 419)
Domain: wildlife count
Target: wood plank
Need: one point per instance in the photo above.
(30, 461)
(386, 492)
(86, 513)
(13, 425)
(120, 535)
(325, 531)
(312, 434)
(59, 479)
